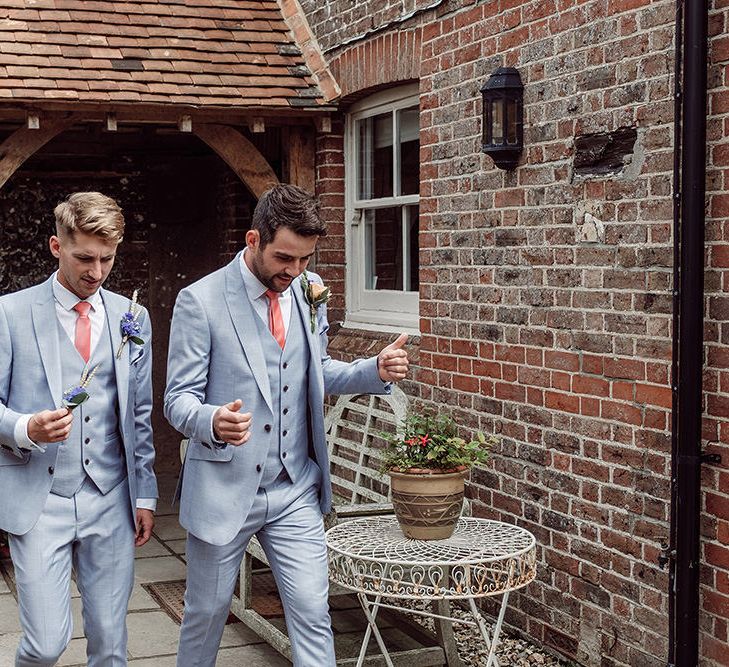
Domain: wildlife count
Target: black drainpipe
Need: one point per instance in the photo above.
(686, 459)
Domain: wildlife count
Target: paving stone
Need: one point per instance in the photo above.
(152, 633)
(141, 600)
(169, 528)
(74, 655)
(238, 634)
(8, 645)
(256, 655)
(178, 546)
(162, 568)
(153, 548)
(167, 661)
(8, 614)
(4, 588)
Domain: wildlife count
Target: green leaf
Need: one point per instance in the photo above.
(136, 340)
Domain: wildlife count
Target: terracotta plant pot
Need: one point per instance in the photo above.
(427, 502)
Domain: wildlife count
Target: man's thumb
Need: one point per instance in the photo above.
(236, 405)
(401, 340)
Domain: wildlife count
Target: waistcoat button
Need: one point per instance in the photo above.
(50, 470)
(258, 468)
(267, 428)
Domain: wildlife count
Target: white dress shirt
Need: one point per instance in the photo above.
(65, 301)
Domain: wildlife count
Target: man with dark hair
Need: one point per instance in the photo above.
(246, 377)
(78, 488)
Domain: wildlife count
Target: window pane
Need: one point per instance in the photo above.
(375, 156)
(391, 248)
(409, 122)
(413, 248)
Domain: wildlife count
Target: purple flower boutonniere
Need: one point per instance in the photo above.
(130, 328)
(77, 395)
(315, 295)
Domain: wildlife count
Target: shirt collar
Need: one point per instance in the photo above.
(68, 299)
(255, 288)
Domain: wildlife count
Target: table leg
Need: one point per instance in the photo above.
(444, 633)
(493, 641)
(372, 628)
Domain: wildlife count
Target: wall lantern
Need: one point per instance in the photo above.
(503, 117)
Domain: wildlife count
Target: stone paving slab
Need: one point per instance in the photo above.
(152, 549)
(168, 528)
(162, 568)
(152, 633)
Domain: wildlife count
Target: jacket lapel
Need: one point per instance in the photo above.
(312, 339)
(121, 365)
(242, 315)
(46, 335)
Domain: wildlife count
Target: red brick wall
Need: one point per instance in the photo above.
(715, 521)
(559, 345)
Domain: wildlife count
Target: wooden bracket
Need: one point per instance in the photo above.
(257, 125)
(33, 121)
(323, 124)
(111, 122)
(184, 124)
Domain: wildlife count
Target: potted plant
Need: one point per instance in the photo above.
(427, 461)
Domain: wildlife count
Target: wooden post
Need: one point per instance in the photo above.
(300, 158)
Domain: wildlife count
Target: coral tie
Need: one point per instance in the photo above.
(82, 340)
(275, 319)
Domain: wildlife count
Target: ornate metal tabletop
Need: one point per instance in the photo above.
(482, 558)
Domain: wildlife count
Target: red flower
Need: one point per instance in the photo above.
(411, 441)
(424, 439)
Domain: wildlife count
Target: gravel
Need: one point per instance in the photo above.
(511, 651)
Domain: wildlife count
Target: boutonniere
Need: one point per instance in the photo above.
(77, 395)
(315, 295)
(130, 328)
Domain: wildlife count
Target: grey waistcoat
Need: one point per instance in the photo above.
(288, 378)
(94, 447)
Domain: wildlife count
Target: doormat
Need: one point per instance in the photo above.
(170, 596)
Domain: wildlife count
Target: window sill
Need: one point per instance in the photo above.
(374, 320)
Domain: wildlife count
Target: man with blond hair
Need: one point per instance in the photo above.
(76, 449)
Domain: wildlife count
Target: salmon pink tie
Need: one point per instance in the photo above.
(83, 330)
(275, 319)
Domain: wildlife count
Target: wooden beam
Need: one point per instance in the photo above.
(240, 155)
(300, 156)
(24, 142)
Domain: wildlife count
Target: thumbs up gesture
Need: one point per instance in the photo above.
(392, 362)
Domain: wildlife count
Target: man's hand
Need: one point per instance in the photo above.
(145, 523)
(50, 425)
(230, 425)
(392, 362)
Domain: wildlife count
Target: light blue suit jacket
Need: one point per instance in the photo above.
(215, 356)
(30, 381)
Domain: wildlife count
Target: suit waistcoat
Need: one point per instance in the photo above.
(94, 446)
(288, 377)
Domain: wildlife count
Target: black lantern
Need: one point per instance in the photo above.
(503, 117)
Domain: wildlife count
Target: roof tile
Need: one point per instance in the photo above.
(226, 52)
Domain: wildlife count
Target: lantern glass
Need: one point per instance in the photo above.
(497, 123)
(511, 121)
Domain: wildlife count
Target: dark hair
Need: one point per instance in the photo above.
(287, 206)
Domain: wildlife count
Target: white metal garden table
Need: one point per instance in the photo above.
(372, 557)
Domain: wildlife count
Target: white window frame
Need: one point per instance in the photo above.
(379, 310)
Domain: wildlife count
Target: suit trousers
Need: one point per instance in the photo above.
(288, 522)
(93, 534)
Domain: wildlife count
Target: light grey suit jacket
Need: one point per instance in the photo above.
(215, 356)
(30, 381)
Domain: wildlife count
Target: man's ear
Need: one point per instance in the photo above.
(253, 239)
(54, 243)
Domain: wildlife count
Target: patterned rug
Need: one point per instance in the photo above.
(170, 596)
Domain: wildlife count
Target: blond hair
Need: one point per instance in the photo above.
(90, 213)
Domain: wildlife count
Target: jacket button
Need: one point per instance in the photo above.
(286, 411)
(267, 428)
(286, 387)
(87, 461)
(285, 433)
(87, 441)
(285, 365)
(50, 470)
(258, 468)
(283, 456)
(87, 418)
